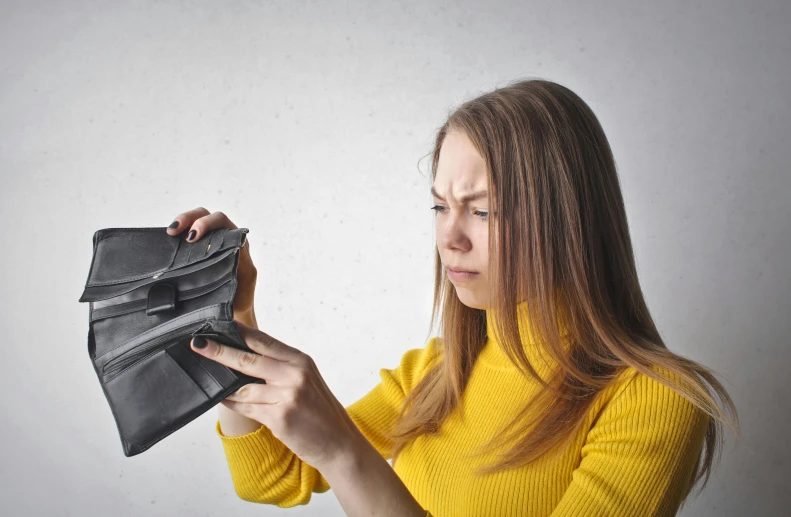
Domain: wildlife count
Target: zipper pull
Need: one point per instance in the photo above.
(200, 329)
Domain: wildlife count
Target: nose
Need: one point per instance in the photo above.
(451, 234)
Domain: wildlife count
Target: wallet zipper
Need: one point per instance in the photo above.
(123, 362)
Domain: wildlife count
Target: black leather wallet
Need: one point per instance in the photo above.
(149, 294)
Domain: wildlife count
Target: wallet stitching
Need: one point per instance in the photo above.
(189, 252)
(208, 246)
(155, 328)
(173, 259)
(109, 231)
(143, 229)
(126, 280)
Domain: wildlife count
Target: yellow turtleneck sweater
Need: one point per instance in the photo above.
(633, 457)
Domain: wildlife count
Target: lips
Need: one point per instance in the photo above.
(460, 270)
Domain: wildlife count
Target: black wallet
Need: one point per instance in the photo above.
(149, 294)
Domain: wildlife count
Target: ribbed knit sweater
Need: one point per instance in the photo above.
(633, 457)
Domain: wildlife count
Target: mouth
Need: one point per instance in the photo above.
(460, 274)
(460, 270)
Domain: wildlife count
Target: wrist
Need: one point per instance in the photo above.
(348, 459)
(365, 483)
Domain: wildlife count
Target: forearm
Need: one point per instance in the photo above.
(234, 424)
(366, 485)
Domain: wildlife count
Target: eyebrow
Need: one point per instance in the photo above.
(464, 198)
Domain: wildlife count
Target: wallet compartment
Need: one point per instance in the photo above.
(153, 394)
(149, 293)
(187, 284)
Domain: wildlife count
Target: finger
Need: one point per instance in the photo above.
(257, 412)
(207, 223)
(264, 344)
(185, 220)
(253, 411)
(248, 363)
(258, 394)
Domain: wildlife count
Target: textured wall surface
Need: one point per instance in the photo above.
(308, 123)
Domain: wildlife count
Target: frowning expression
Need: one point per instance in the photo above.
(461, 202)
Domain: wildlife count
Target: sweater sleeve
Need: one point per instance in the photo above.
(264, 470)
(639, 456)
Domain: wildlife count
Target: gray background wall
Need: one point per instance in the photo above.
(306, 122)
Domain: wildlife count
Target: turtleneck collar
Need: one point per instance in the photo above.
(493, 355)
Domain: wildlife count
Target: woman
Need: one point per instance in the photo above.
(549, 390)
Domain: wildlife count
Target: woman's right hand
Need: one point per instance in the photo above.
(202, 221)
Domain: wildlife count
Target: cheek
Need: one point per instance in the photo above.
(482, 246)
(482, 240)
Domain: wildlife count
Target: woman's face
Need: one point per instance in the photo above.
(462, 224)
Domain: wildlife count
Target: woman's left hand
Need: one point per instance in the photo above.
(295, 403)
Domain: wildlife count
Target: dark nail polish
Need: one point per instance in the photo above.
(198, 342)
(173, 224)
(191, 235)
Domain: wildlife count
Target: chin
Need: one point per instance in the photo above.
(471, 299)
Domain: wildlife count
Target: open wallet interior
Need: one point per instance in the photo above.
(149, 293)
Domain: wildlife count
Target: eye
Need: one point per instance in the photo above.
(479, 213)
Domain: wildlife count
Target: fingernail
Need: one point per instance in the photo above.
(173, 224)
(198, 342)
(191, 235)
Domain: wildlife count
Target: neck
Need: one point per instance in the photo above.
(493, 354)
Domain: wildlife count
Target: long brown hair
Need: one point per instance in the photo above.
(559, 213)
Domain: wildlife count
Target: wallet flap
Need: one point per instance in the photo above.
(127, 258)
(104, 292)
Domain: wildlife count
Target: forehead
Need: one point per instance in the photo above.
(460, 168)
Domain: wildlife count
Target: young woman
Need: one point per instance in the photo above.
(549, 391)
